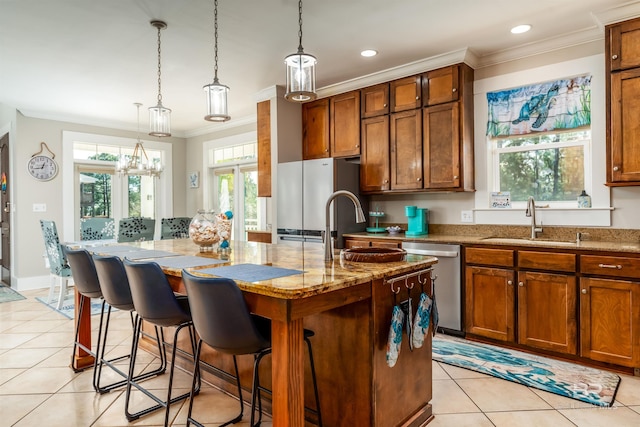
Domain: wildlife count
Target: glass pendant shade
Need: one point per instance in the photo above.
(301, 77)
(159, 121)
(217, 106)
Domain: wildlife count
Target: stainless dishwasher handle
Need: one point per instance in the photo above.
(444, 254)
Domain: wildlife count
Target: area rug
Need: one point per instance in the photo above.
(68, 306)
(7, 294)
(578, 382)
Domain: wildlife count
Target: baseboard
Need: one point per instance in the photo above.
(30, 283)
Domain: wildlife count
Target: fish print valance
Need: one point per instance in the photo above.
(560, 104)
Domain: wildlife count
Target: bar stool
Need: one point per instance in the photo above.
(87, 284)
(155, 302)
(117, 293)
(223, 321)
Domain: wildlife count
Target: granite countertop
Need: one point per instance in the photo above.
(620, 246)
(317, 275)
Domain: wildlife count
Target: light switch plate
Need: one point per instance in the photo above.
(39, 207)
(466, 216)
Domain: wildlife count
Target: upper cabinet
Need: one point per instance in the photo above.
(344, 113)
(405, 94)
(622, 49)
(441, 86)
(264, 148)
(315, 129)
(624, 45)
(374, 100)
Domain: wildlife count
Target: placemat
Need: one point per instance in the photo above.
(146, 253)
(112, 249)
(186, 261)
(250, 272)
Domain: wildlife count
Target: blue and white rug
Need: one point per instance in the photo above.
(586, 384)
(68, 306)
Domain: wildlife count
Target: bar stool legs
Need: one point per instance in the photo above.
(134, 383)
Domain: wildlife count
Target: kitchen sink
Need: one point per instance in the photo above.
(528, 241)
(376, 255)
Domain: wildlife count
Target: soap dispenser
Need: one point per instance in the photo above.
(584, 200)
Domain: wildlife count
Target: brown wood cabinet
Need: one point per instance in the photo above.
(374, 158)
(405, 94)
(264, 148)
(610, 309)
(441, 139)
(351, 242)
(547, 311)
(622, 52)
(315, 129)
(344, 118)
(374, 100)
(406, 150)
(542, 313)
(441, 86)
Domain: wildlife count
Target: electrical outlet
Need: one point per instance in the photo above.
(466, 216)
(39, 207)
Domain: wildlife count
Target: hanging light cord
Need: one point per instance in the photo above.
(159, 69)
(300, 50)
(215, 49)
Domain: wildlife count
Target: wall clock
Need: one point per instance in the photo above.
(41, 167)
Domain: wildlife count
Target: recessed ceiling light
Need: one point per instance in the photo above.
(368, 53)
(519, 29)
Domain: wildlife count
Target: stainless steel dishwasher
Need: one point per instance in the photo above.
(448, 286)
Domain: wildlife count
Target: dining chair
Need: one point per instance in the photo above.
(58, 265)
(155, 302)
(174, 228)
(223, 321)
(97, 228)
(136, 229)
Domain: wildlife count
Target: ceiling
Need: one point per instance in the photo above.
(89, 61)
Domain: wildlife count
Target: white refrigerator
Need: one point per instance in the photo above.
(303, 190)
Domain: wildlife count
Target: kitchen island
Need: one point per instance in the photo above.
(348, 306)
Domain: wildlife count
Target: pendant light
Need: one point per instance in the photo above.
(301, 71)
(138, 163)
(217, 106)
(159, 116)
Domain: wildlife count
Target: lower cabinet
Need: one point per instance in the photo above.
(547, 311)
(538, 310)
(610, 321)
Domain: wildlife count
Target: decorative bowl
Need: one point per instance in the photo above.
(376, 255)
(394, 230)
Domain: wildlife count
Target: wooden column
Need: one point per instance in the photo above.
(288, 373)
(82, 359)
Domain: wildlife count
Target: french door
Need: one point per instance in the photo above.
(235, 189)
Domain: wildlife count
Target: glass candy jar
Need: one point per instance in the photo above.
(203, 230)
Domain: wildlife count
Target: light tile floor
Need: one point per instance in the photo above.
(37, 388)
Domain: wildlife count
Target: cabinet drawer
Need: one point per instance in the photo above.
(610, 266)
(547, 261)
(498, 257)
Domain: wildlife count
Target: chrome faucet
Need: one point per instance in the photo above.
(328, 247)
(531, 211)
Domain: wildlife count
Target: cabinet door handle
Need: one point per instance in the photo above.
(357, 145)
(509, 282)
(520, 284)
(384, 105)
(417, 97)
(419, 179)
(454, 89)
(614, 57)
(386, 181)
(455, 177)
(616, 168)
(615, 267)
(584, 291)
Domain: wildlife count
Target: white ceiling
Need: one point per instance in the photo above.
(88, 61)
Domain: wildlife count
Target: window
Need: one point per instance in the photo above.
(233, 171)
(551, 167)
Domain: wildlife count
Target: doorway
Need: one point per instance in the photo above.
(5, 203)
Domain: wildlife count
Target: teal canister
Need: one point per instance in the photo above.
(584, 200)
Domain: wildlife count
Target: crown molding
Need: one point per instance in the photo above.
(619, 13)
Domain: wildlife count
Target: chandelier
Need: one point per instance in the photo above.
(301, 71)
(138, 163)
(217, 106)
(159, 116)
